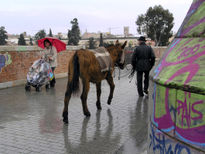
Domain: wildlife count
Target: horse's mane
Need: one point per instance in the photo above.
(108, 45)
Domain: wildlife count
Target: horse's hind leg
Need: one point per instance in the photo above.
(98, 88)
(66, 102)
(84, 96)
(109, 79)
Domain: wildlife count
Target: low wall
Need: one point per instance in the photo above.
(159, 51)
(15, 63)
(16, 60)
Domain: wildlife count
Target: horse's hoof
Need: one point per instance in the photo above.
(87, 114)
(65, 117)
(109, 102)
(99, 107)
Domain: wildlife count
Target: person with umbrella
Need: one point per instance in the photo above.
(50, 55)
(51, 47)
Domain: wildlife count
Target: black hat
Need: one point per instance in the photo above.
(47, 40)
(142, 38)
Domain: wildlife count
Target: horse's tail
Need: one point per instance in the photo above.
(74, 84)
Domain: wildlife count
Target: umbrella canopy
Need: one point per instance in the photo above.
(60, 45)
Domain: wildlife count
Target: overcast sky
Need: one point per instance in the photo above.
(94, 15)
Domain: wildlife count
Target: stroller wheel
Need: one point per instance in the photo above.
(27, 88)
(38, 89)
(47, 86)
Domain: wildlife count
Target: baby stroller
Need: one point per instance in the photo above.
(39, 74)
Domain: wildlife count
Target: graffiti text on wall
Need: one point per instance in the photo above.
(160, 144)
(182, 111)
(5, 59)
(188, 111)
(183, 63)
(182, 67)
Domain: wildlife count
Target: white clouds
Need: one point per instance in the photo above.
(168, 2)
(31, 15)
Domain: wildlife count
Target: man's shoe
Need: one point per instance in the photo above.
(141, 95)
(146, 92)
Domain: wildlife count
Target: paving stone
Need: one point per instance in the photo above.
(31, 122)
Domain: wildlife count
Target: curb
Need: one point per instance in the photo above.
(23, 81)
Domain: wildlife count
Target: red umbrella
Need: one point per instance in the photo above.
(60, 45)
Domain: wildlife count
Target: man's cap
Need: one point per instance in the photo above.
(142, 38)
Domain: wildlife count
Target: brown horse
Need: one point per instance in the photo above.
(85, 66)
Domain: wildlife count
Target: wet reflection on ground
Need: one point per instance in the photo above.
(32, 122)
(101, 140)
(138, 130)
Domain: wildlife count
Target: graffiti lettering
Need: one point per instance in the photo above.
(187, 51)
(196, 111)
(184, 45)
(182, 111)
(182, 66)
(165, 146)
(186, 109)
(5, 59)
(2, 61)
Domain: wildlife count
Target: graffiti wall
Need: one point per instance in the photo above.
(14, 65)
(5, 59)
(179, 93)
(182, 64)
(160, 143)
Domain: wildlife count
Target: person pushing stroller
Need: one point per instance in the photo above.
(50, 55)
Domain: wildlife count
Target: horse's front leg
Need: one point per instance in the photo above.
(98, 88)
(84, 96)
(66, 102)
(112, 87)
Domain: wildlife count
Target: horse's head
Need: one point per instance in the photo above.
(119, 54)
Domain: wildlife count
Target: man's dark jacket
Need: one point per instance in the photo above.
(143, 58)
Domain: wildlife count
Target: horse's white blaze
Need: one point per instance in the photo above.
(122, 60)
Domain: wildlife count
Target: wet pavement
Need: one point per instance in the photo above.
(31, 122)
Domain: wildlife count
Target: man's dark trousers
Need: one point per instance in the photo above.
(139, 81)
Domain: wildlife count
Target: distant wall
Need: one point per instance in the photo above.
(159, 51)
(15, 62)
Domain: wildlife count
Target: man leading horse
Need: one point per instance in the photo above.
(143, 60)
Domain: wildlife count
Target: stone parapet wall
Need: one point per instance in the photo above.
(159, 51)
(15, 62)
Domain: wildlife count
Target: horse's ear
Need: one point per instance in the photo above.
(117, 42)
(123, 46)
